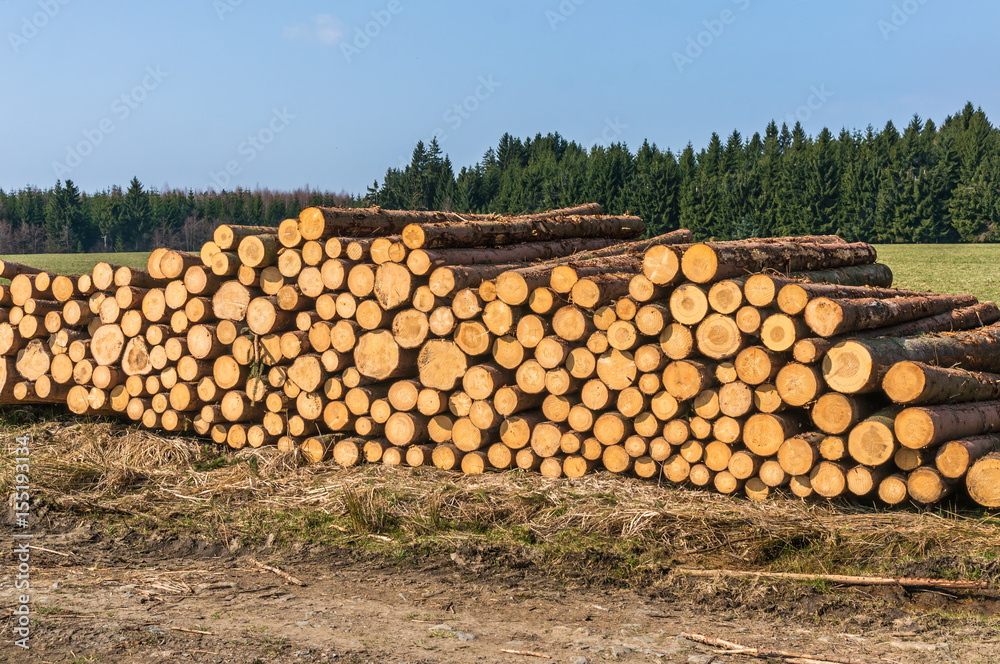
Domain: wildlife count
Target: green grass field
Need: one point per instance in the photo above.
(944, 268)
(79, 263)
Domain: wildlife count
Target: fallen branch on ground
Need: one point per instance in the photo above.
(737, 649)
(844, 579)
(274, 570)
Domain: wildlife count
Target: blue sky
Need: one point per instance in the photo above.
(199, 93)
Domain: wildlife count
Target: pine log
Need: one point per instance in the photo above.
(704, 263)
(763, 434)
(779, 332)
(762, 290)
(518, 230)
(793, 298)
(925, 426)
(726, 297)
(676, 341)
(757, 365)
(829, 479)
(954, 458)
(448, 280)
(689, 304)
(863, 481)
(983, 481)
(590, 292)
(916, 383)
(750, 319)
(422, 262)
(799, 384)
(836, 413)
(860, 366)
(829, 318)
(718, 337)
(441, 364)
(926, 485)
(500, 318)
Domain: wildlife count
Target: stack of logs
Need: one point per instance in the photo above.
(555, 342)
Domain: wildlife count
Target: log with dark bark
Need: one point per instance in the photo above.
(859, 366)
(518, 230)
(704, 263)
(828, 318)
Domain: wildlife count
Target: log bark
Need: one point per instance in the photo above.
(954, 458)
(422, 262)
(926, 426)
(519, 230)
(793, 298)
(916, 383)
(828, 318)
(859, 366)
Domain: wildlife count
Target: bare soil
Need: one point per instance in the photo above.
(141, 599)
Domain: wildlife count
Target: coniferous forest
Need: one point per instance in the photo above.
(922, 184)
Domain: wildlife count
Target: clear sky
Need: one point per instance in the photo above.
(330, 94)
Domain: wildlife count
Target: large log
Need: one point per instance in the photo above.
(518, 230)
(761, 290)
(422, 262)
(954, 458)
(704, 263)
(983, 481)
(811, 350)
(859, 366)
(315, 223)
(873, 442)
(793, 298)
(924, 426)
(915, 383)
(828, 318)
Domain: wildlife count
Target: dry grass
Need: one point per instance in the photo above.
(623, 527)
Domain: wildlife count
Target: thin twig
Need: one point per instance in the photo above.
(844, 579)
(192, 631)
(730, 648)
(527, 653)
(274, 570)
(42, 548)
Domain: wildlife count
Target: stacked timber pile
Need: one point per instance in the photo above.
(555, 342)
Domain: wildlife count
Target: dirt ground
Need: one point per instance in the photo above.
(141, 600)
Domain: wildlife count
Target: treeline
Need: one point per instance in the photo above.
(926, 184)
(65, 220)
